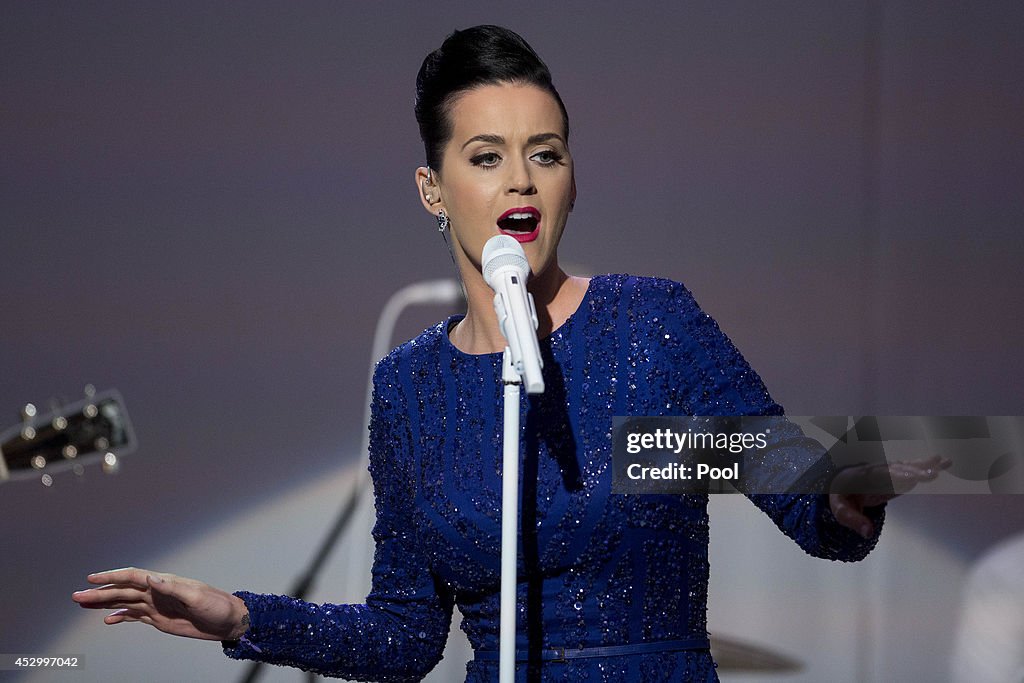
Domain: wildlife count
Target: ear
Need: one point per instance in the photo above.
(429, 192)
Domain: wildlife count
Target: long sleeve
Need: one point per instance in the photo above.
(731, 387)
(806, 517)
(401, 631)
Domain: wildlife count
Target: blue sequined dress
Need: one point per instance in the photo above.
(595, 568)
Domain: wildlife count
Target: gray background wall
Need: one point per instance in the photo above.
(205, 206)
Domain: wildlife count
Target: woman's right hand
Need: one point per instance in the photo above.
(172, 604)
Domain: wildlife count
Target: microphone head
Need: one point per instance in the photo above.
(502, 252)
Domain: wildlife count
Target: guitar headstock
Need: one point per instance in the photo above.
(95, 429)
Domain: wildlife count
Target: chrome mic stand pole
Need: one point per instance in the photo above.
(509, 519)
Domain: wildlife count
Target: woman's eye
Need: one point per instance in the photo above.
(548, 157)
(485, 159)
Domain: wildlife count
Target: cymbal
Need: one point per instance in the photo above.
(738, 655)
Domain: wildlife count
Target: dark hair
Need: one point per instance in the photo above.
(481, 55)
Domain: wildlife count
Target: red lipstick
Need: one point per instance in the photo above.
(521, 223)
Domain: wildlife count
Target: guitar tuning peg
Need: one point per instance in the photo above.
(28, 430)
(90, 409)
(47, 480)
(59, 422)
(110, 463)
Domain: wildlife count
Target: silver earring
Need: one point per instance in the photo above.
(442, 221)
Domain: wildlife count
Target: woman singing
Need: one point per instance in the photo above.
(611, 587)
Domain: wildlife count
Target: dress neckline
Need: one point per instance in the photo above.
(556, 333)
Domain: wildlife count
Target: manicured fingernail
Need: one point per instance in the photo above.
(155, 579)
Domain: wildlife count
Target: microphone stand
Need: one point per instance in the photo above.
(505, 270)
(509, 519)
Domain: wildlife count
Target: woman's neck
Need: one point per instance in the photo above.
(556, 296)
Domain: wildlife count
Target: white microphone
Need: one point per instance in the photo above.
(505, 270)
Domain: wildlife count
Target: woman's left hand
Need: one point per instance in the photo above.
(848, 508)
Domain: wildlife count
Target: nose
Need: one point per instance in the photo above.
(520, 180)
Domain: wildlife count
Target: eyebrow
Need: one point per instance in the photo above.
(498, 140)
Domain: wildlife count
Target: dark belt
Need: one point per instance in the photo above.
(562, 654)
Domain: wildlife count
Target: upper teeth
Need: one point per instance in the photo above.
(519, 216)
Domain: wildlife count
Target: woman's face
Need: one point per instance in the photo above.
(507, 169)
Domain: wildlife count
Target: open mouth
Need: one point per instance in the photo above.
(521, 223)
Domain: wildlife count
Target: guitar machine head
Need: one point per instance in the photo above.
(95, 429)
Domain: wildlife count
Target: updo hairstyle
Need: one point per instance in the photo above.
(477, 56)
